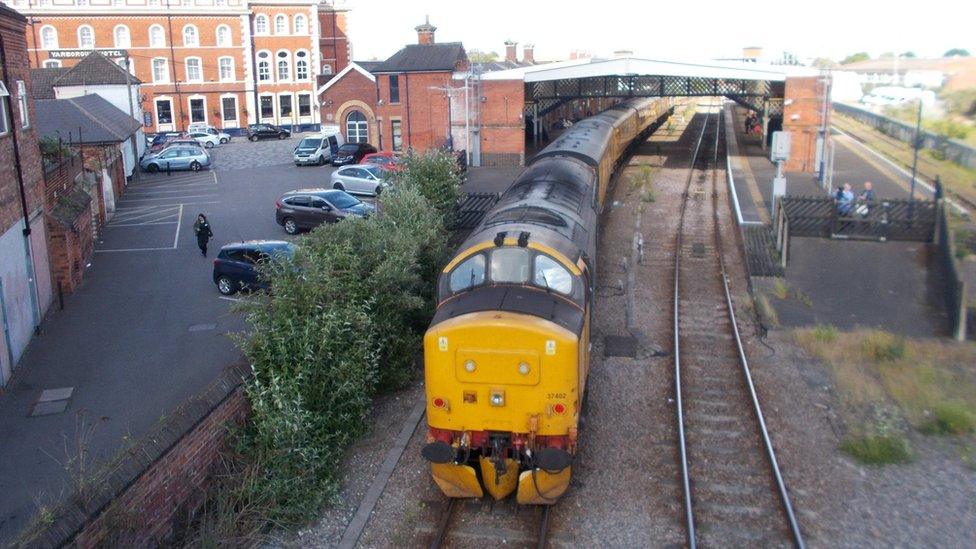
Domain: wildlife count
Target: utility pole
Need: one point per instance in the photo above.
(132, 113)
(915, 144)
(172, 60)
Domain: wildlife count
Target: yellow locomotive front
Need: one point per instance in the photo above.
(505, 364)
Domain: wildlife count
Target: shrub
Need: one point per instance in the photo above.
(825, 333)
(434, 173)
(878, 449)
(950, 419)
(883, 347)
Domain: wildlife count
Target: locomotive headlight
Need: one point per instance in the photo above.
(469, 366)
(523, 368)
(497, 398)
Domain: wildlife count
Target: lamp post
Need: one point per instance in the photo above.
(915, 143)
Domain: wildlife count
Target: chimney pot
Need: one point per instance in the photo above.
(528, 54)
(425, 32)
(510, 51)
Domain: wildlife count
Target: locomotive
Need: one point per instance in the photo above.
(506, 355)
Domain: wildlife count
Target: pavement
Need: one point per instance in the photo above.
(896, 286)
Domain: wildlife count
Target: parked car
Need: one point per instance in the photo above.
(266, 131)
(352, 153)
(360, 179)
(178, 157)
(208, 140)
(304, 209)
(235, 267)
(200, 127)
(183, 142)
(385, 159)
(318, 148)
(160, 140)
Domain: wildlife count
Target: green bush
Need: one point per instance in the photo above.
(878, 449)
(950, 419)
(883, 347)
(825, 333)
(434, 173)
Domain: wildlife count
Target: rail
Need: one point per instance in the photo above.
(444, 525)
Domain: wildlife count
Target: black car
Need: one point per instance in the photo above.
(309, 208)
(235, 268)
(161, 140)
(352, 153)
(266, 131)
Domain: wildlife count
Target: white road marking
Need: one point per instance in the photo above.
(166, 190)
(148, 223)
(134, 250)
(168, 210)
(179, 223)
(214, 174)
(171, 197)
(234, 299)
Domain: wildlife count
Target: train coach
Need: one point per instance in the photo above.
(507, 352)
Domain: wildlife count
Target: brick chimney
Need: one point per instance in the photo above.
(528, 54)
(510, 51)
(425, 32)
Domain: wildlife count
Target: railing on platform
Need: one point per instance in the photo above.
(881, 220)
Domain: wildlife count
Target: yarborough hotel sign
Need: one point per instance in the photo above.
(71, 54)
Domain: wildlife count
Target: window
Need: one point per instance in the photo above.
(281, 24)
(510, 265)
(261, 24)
(164, 111)
(267, 106)
(160, 70)
(550, 274)
(327, 68)
(193, 71)
(52, 63)
(356, 129)
(284, 106)
(304, 104)
(226, 66)
(229, 107)
(157, 37)
(284, 70)
(394, 88)
(301, 65)
(397, 135)
(86, 37)
(264, 66)
(223, 36)
(3, 109)
(131, 64)
(49, 37)
(470, 272)
(122, 39)
(198, 110)
(190, 36)
(301, 27)
(22, 104)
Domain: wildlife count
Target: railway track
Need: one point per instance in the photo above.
(733, 491)
(449, 527)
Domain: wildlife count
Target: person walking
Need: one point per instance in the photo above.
(202, 229)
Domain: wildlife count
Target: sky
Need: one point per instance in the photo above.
(698, 29)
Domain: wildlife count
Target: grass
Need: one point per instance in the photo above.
(781, 289)
(923, 384)
(766, 311)
(878, 449)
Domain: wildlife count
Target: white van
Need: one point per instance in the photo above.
(318, 148)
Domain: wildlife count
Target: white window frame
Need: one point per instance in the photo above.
(22, 105)
(259, 20)
(165, 65)
(172, 112)
(228, 40)
(81, 44)
(326, 68)
(220, 69)
(271, 66)
(53, 43)
(281, 18)
(308, 62)
(128, 37)
(189, 109)
(303, 28)
(294, 108)
(274, 109)
(199, 65)
(282, 61)
(4, 119)
(236, 123)
(298, 109)
(132, 64)
(51, 63)
(195, 33)
(161, 42)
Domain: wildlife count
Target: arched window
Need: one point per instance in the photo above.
(194, 69)
(284, 68)
(301, 25)
(121, 35)
(122, 63)
(49, 37)
(264, 66)
(225, 65)
(356, 128)
(190, 36)
(86, 37)
(160, 70)
(301, 65)
(327, 68)
(157, 37)
(261, 24)
(281, 24)
(223, 35)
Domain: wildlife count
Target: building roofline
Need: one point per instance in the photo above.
(350, 67)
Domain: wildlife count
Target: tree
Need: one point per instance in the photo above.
(908, 55)
(855, 58)
(478, 56)
(824, 63)
(956, 52)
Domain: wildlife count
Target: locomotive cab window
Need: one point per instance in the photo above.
(510, 265)
(469, 273)
(550, 274)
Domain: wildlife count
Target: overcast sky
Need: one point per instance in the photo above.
(689, 29)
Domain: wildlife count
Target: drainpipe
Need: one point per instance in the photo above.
(23, 194)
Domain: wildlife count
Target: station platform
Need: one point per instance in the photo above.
(894, 286)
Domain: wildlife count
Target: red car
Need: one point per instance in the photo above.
(385, 159)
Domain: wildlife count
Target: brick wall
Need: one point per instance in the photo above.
(354, 91)
(152, 490)
(502, 126)
(423, 112)
(803, 118)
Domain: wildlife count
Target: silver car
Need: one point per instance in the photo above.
(360, 179)
(177, 157)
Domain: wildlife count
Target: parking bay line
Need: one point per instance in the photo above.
(234, 299)
(179, 223)
(134, 250)
(171, 197)
(132, 216)
(175, 204)
(165, 190)
(146, 224)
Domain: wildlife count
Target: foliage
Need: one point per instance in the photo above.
(825, 333)
(960, 103)
(435, 174)
(908, 55)
(478, 56)
(882, 347)
(950, 418)
(956, 52)
(824, 63)
(52, 150)
(855, 58)
(878, 449)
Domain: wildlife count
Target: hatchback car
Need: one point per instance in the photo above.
(236, 266)
(384, 159)
(360, 179)
(266, 131)
(176, 158)
(352, 153)
(200, 127)
(305, 209)
(161, 140)
(208, 140)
